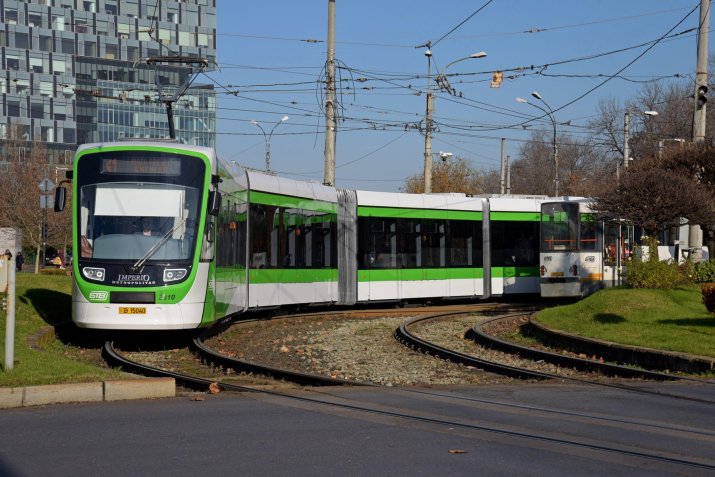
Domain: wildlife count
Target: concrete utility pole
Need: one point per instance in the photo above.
(428, 125)
(701, 73)
(695, 236)
(503, 166)
(330, 100)
(626, 130)
(508, 174)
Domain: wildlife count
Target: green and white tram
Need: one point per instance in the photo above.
(167, 237)
(142, 235)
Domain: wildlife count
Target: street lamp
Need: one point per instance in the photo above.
(550, 114)
(626, 135)
(444, 155)
(268, 139)
(442, 80)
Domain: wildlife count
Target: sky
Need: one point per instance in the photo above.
(575, 53)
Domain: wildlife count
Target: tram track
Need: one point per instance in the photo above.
(589, 444)
(411, 340)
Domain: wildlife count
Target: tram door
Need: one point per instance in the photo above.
(559, 251)
(617, 244)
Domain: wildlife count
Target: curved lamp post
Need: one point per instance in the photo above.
(268, 139)
(550, 113)
(430, 107)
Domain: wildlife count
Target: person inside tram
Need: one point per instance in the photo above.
(147, 225)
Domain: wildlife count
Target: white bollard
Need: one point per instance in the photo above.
(10, 317)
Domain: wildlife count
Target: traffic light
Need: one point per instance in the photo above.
(44, 232)
(701, 97)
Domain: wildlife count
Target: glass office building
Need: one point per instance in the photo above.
(74, 71)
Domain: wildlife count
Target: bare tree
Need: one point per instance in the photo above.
(580, 166)
(451, 175)
(656, 198)
(20, 197)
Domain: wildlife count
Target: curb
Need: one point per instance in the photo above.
(645, 357)
(117, 390)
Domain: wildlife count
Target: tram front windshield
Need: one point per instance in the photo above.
(559, 227)
(139, 206)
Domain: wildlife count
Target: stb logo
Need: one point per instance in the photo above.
(98, 295)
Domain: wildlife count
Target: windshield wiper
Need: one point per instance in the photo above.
(140, 263)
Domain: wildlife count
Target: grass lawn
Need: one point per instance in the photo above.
(674, 320)
(44, 302)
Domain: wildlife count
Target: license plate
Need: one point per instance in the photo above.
(557, 274)
(132, 310)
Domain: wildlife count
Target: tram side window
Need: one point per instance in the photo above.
(434, 243)
(409, 243)
(293, 249)
(323, 241)
(377, 243)
(515, 244)
(292, 238)
(231, 235)
(264, 236)
(589, 232)
(465, 243)
(239, 243)
(223, 234)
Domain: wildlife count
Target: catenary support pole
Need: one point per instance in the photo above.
(428, 127)
(330, 100)
(508, 174)
(695, 236)
(502, 186)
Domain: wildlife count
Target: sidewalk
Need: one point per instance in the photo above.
(116, 390)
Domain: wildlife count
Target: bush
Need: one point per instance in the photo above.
(704, 271)
(655, 274)
(708, 291)
(54, 271)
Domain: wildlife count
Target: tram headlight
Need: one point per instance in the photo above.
(93, 273)
(174, 274)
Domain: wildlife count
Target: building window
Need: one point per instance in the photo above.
(90, 48)
(132, 53)
(37, 110)
(12, 61)
(22, 87)
(35, 20)
(58, 66)
(111, 52)
(11, 15)
(68, 46)
(21, 40)
(60, 112)
(58, 22)
(13, 108)
(46, 88)
(45, 43)
(36, 65)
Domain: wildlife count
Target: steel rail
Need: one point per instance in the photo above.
(409, 339)
(477, 334)
(201, 383)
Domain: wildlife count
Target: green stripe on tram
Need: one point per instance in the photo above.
(514, 272)
(399, 213)
(418, 274)
(516, 216)
(292, 275)
(289, 202)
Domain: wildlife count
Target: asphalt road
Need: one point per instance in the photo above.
(524, 429)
